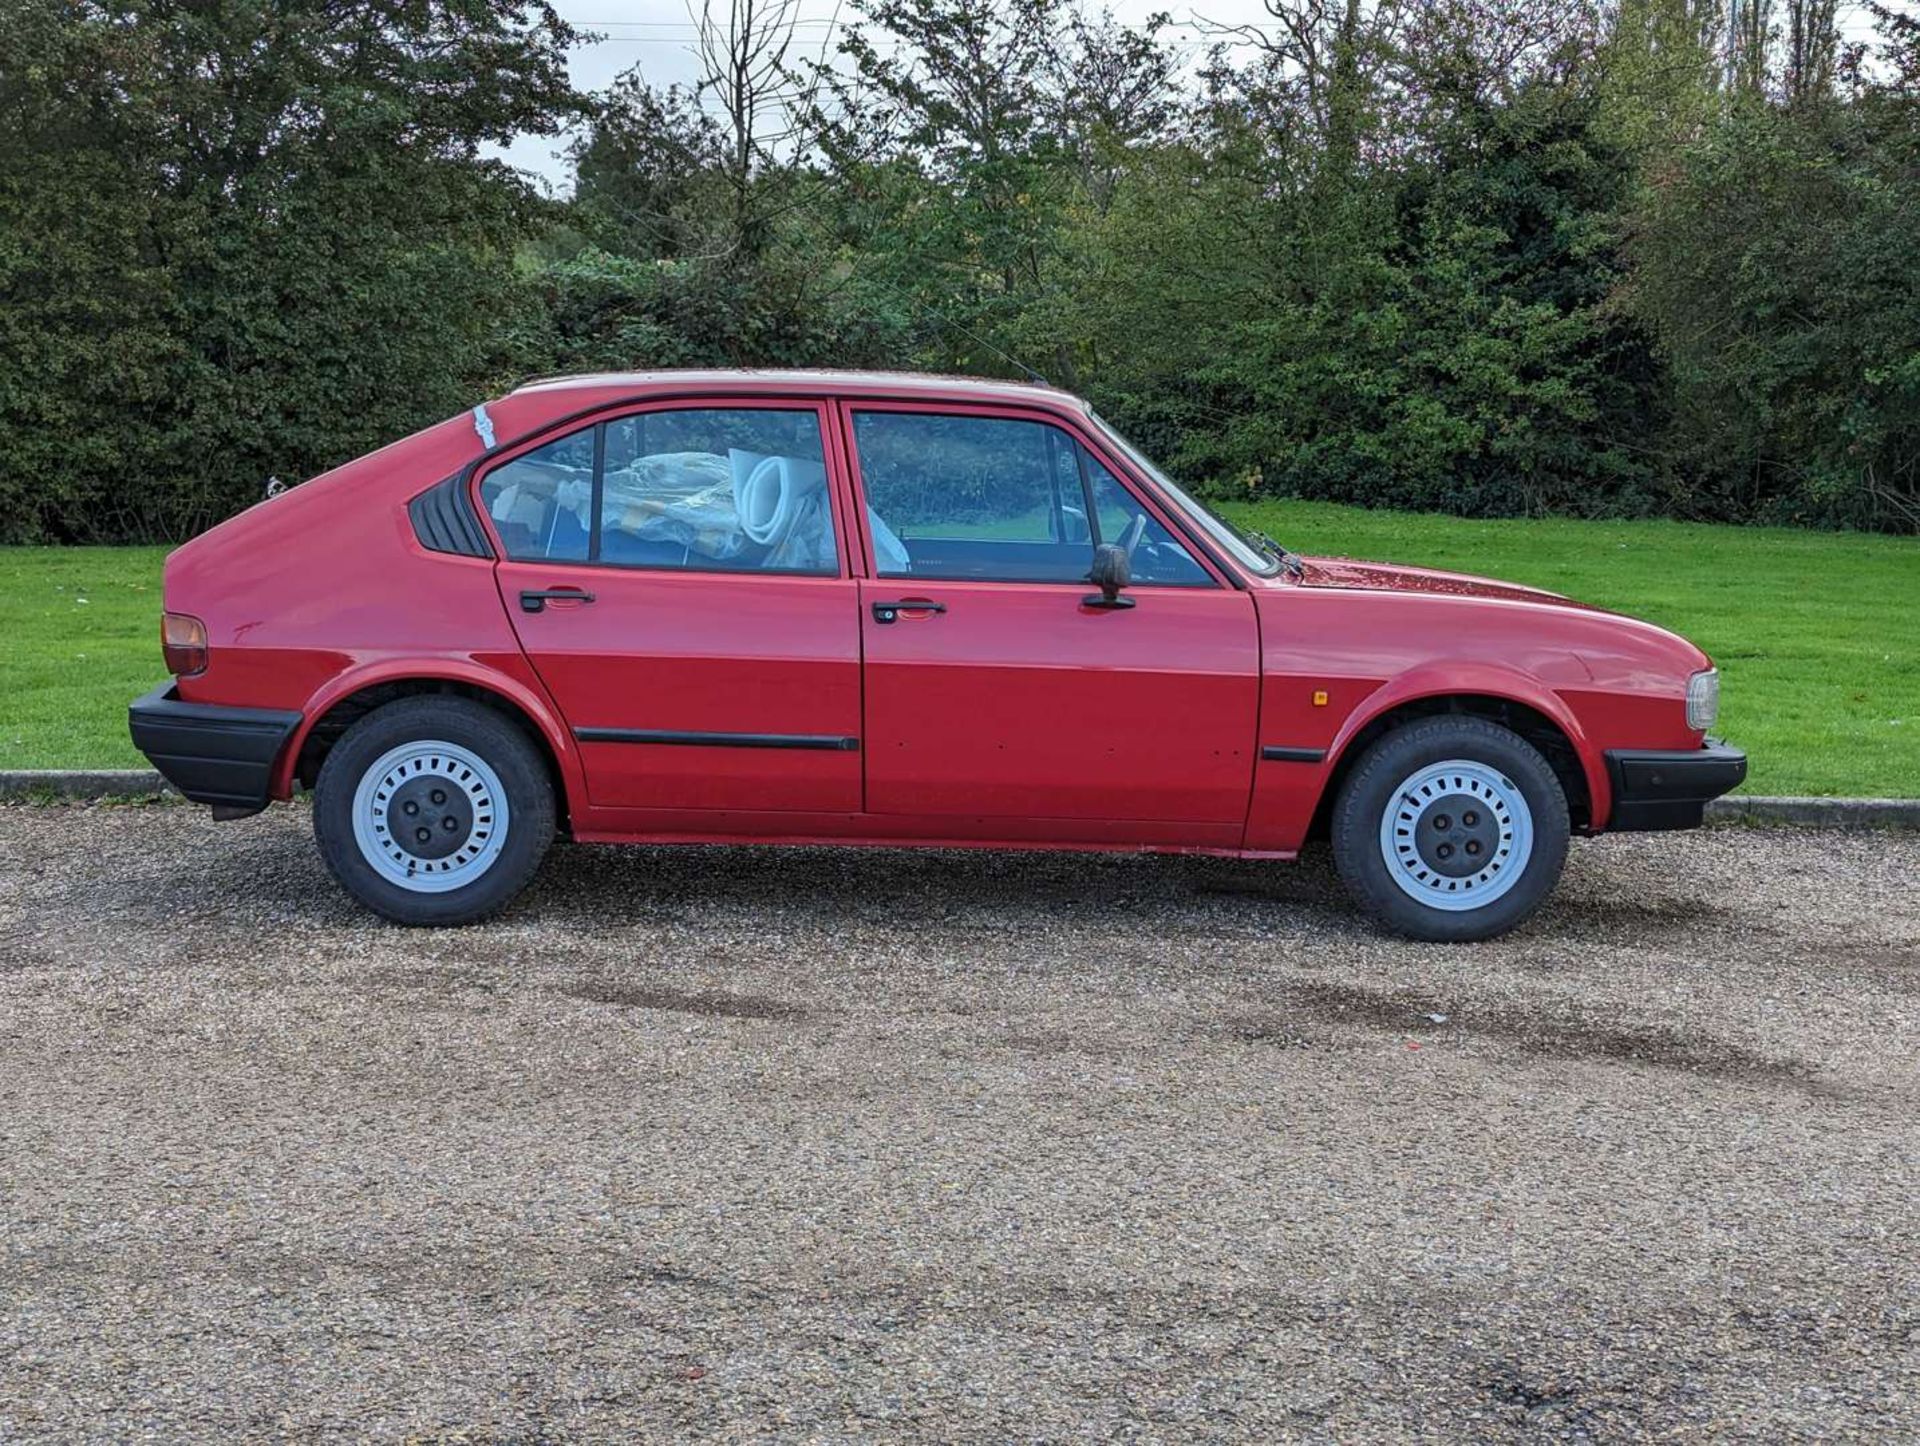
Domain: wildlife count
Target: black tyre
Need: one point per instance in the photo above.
(1452, 828)
(433, 810)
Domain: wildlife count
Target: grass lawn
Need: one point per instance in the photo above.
(1817, 634)
(82, 641)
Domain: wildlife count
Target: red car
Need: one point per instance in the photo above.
(807, 608)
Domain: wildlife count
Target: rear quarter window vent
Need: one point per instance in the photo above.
(444, 520)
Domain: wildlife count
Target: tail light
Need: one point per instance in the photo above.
(183, 643)
(1703, 700)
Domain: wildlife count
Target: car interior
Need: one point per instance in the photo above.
(955, 498)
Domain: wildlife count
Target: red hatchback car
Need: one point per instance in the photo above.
(733, 607)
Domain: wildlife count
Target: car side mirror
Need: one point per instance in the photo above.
(1112, 570)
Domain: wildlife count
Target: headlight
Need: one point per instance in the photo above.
(1703, 699)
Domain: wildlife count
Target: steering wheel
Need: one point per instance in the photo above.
(1134, 533)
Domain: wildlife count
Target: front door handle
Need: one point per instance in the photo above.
(886, 612)
(535, 600)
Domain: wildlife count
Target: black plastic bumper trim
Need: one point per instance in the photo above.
(824, 742)
(1655, 789)
(211, 753)
(1293, 755)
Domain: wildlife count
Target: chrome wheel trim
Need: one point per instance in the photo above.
(484, 801)
(1415, 801)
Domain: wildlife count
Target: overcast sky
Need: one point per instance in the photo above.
(658, 35)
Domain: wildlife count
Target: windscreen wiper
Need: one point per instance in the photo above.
(1291, 561)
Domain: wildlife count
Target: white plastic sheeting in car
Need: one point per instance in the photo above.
(773, 494)
(782, 506)
(745, 505)
(686, 498)
(888, 550)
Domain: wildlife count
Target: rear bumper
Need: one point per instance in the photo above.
(1669, 789)
(212, 754)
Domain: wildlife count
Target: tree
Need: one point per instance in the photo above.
(1110, 93)
(1775, 265)
(1485, 255)
(745, 68)
(954, 176)
(1812, 51)
(647, 171)
(243, 239)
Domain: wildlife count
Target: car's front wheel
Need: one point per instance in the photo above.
(1452, 828)
(433, 810)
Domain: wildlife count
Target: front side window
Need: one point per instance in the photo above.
(705, 489)
(1252, 551)
(997, 499)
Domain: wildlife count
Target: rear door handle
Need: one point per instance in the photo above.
(535, 600)
(886, 612)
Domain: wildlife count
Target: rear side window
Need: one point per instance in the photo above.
(701, 489)
(541, 500)
(999, 499)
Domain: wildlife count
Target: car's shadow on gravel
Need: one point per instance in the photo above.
(270, 868)
(986, 888)
(267, 871)
(638, 884)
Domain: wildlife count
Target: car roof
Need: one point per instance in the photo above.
(838, 383)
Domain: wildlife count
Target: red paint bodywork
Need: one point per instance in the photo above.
(1019, 717)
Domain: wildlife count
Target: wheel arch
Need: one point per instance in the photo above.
(1532, 712)
(351, 696)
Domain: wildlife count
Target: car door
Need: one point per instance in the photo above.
(705, 654)
(998, 689)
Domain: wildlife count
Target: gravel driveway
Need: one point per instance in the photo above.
(952, 1145)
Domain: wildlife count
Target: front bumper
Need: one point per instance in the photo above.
(1660, 789)
(213, 754)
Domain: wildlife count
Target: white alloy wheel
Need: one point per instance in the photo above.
(1456, 835)
(430, 816)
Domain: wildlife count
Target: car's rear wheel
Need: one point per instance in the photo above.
(433, 810)
(1452, 828)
